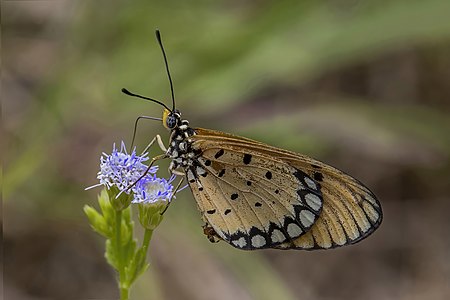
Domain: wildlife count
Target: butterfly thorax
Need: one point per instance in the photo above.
(180, 149)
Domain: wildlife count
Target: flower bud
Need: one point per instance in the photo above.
(152, 194)
(150, 214)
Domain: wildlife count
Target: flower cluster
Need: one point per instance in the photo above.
(123, 176)
(121, 169)
(127, 181)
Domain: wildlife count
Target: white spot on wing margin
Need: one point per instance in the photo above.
(294, 230)
(258, 241)
(277, 236)
(310, 183)
(307, 218)
(241, 242)
(313, 201)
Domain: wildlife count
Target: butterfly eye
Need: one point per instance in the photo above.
(171, 121)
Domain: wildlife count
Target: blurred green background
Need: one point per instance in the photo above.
(362, 85)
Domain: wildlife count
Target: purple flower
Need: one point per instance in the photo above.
(121, 169)
(151, 189)
(153, 195)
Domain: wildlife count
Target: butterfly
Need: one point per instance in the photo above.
(256, 196)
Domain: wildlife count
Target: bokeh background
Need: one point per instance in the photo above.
(362, 85)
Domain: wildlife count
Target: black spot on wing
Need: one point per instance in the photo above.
(300, 175)
(219, 153)
(318, 176)
(247, 159)
(269, 175)
(234, 196)
(258, 204)
(221, 173)
(212, 211)
(227, 211)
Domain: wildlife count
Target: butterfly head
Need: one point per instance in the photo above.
(171, 118)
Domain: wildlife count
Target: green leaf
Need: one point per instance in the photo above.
(111, 255)
(97, 221)
(138, 265)
(129, 251)
(106, 208)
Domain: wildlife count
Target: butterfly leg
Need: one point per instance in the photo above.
(158, 139)
(175, 191)
(178, 173)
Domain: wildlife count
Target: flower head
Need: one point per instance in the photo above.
(151, 189)
(121, 169)
(153, 194)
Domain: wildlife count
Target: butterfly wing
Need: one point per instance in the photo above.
(257, 196)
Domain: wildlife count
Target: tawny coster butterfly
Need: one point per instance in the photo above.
(256, 196)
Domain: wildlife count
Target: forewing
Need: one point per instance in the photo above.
(341, 210)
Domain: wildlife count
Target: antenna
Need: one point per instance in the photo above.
(158, 37)
(127, 92)
(136, 125)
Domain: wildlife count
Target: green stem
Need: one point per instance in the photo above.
(123, 285)
(124, 293)
(147, 237)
